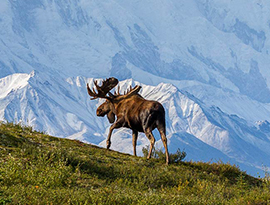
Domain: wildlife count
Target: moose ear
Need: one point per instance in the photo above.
(111, 117)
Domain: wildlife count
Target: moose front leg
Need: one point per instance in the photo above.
(117, 124)
(134, 140)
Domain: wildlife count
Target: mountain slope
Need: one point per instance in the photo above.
(39, 168)
(63, 108)
(171, 44)
(172, 41)
(216, 51)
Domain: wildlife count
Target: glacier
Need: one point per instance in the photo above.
(206, 61)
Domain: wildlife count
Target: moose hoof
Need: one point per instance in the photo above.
(108, 145)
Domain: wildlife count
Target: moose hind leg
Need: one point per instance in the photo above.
(152, 140)
(164, 140)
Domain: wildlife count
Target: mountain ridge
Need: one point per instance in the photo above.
(217, 52)
(62, 107)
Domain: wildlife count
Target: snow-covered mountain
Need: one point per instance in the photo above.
(62, 107)
(206, 61)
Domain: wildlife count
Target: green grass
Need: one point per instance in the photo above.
(36, 168)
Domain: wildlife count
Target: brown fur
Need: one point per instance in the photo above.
(138, 114)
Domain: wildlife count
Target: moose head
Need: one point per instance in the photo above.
(107, 107)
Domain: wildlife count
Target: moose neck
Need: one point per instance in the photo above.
(116, 103)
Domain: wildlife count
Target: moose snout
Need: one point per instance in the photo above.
(100, 113)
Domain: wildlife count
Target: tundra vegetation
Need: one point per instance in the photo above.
(36, 168)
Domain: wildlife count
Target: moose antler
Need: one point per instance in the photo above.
(116, 93)
(102, 90)
(134, 90)
(128, 90)
(131, 91)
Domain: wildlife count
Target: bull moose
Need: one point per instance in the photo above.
(132, 111)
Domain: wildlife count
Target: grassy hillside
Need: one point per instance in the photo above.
(39, 169)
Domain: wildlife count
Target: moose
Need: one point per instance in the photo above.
(132, 111)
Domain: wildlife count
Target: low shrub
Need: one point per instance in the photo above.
(159, 154)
